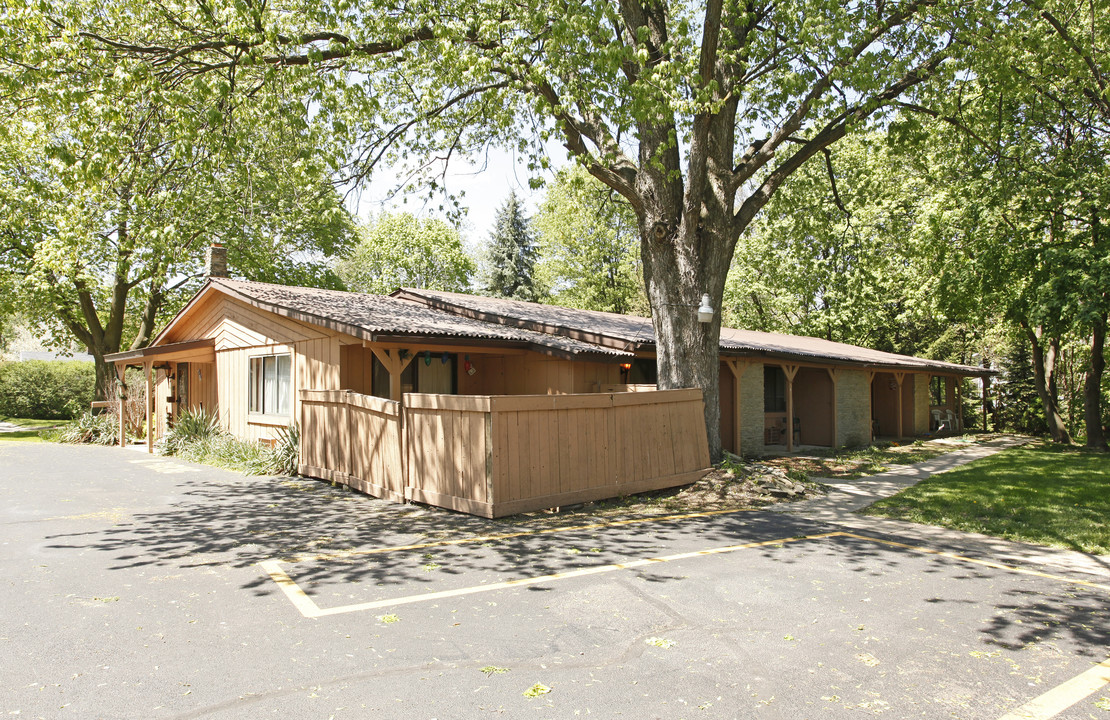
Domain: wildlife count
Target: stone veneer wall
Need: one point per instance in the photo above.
(921, 415)
(751, 410)
(853, 411)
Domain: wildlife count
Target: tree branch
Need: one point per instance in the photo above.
(832, 132)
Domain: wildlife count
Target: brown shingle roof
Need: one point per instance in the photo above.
(377, 317)
(628, 332)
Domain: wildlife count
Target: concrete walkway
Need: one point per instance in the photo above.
(848, 496)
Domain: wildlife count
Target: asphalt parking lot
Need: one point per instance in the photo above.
(143, 587)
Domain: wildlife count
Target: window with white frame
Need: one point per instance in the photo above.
(271, 391)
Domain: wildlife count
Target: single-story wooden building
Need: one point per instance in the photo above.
(495, 406)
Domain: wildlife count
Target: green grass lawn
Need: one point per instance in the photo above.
(1044, 494)
(35, 429)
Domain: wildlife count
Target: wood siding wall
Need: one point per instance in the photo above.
(533, 374)
(495, 456)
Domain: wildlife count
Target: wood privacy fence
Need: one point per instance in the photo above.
(500, 455)
(354, 440)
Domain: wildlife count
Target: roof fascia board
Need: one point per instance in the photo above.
(463, 342)
(152, 351)
(819, 361)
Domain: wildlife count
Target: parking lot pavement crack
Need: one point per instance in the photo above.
(250, 699)
(656, 602)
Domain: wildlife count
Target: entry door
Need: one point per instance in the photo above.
(181, 395)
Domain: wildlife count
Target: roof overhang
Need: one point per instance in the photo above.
(463, 342)
(922, 366)
(622, 345)
(201, 351)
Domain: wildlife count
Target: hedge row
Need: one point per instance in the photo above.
(46, 390)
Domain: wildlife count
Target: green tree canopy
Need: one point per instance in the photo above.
(400, 250)
(113, 184)
(695, 113)
(589, 246)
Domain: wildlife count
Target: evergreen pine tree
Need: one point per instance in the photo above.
(1019, 407)
(512, 255)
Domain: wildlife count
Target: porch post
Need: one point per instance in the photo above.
(120, 371)
(833, 376)
(790, 371)
(393, 362)
(959, 405)
(898, 378)
(871, 405)
(148, 368)
(737, 368)
(986, 389)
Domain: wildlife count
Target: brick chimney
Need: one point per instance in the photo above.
(217, 260)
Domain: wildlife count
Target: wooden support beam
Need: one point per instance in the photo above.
(898, 378)
(790, 371)
(148, 369)
(396, 365)
(986, 392)
(120, 371)
(737, 367)
(959, 405)
(871, 405)
(833, 376)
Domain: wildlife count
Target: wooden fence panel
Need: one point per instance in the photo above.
(495, 456)
(376, 448)
(447, 444)
(354, 440)
(555, 450)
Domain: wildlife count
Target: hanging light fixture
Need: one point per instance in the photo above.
(705, 312)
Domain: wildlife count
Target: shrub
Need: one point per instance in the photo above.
(287, 450)
(191, 427)
(46, 390)
(100, 429)
(196, 436)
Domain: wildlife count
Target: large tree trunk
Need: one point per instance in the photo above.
(688, 351)
(1092, 388)
(1044, 377)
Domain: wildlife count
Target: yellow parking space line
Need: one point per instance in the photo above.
(339, 555)
(978, 561)
(1063, 696)
(292, 590)
(309, 609)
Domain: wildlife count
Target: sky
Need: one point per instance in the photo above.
(486, 182)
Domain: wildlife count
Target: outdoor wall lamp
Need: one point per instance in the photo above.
(705, 312)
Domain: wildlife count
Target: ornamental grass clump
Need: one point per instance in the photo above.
(100, 429)
(191, 430)
(196, 436)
